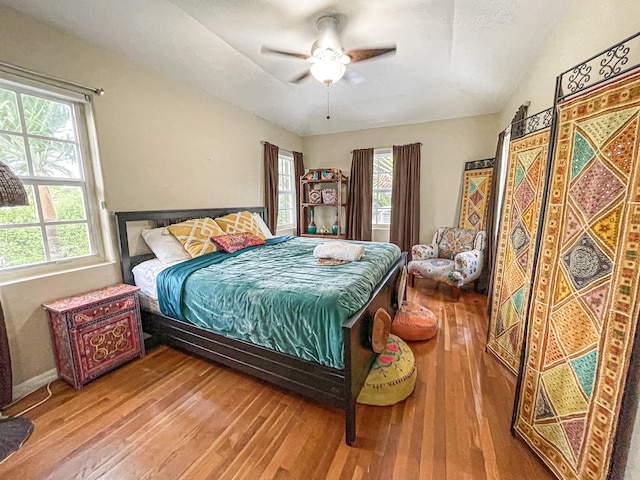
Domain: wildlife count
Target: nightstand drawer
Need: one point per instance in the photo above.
(105, 345)
(101, 310)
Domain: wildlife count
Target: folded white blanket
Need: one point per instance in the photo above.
(340, 250)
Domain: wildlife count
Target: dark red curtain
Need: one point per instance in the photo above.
(271, 185)
(360, 195)
(6, 380)
(405, 196)
(298, 171)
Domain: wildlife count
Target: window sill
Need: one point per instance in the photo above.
(14, 278)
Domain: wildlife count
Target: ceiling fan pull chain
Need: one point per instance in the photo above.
(328, 116)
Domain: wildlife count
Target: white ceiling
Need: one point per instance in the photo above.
(455, 58)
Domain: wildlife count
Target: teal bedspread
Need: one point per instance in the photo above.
(276, 295)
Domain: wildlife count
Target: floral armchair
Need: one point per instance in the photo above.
(454, 257)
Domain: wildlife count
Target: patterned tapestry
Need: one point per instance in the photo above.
(526, 170)
(585, 310)
(477, 186)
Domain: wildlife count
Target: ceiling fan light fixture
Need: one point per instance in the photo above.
(328, 70)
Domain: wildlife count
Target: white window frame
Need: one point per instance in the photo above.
(97, 219)
(380, 152)
(286, 168)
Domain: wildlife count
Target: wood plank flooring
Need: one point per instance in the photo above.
(172, 416)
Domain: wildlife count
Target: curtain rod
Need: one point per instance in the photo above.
(419, 143)
(44, 78)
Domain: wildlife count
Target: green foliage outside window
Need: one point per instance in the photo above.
(37, 159)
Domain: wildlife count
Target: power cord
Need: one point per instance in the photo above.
(32, 406)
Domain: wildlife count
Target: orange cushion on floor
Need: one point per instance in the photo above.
(414, 322)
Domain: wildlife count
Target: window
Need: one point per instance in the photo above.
(286, 190)
(43, 138)
(382, 180)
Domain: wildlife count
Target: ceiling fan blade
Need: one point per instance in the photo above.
(301, 77)
(280, 52)
(365, 54)
(352, 77)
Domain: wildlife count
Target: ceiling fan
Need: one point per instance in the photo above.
(328, 59)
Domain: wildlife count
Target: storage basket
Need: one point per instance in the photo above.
(329, 195)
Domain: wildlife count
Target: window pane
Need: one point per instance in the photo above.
(9, 118)
(62, 203)
(12, 152)
(54, 159)
(20, 246)
(382, 184)
(48, 118)
(68, 240)
(20, 215)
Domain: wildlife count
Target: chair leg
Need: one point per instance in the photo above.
(455, 294)
(411, 280)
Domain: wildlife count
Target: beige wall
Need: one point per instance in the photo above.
(162, 146)
(589, 27)
(446, 145)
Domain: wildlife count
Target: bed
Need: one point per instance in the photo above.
(335, 382)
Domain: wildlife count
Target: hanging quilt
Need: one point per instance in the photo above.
(475, 194)
(585, 306)
(526, 170)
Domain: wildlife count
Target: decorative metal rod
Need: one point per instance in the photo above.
(44, 78)
(375, 148)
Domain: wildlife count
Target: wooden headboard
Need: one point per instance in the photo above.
(159, 218)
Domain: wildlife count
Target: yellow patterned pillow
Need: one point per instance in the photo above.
(195, 235)
(238, 223)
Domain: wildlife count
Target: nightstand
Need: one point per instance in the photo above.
(95, 332)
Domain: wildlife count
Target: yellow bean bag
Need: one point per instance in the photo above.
(392, 377)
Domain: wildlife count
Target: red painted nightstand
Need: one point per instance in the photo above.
(95, 332)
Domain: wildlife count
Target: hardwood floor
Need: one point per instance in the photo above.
(172, 416)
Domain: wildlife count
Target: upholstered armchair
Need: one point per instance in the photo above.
(454, 257)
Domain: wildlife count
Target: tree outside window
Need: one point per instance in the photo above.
(382, 181)
(39, 140)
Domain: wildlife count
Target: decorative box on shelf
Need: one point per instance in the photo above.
(95, 332)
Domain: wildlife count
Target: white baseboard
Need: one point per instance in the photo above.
(31, 385)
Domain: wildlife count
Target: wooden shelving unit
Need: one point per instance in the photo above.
(328, 178)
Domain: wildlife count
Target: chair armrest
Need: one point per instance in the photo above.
(424, 252)
(469, 265)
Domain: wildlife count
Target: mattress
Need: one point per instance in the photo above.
(277, 296)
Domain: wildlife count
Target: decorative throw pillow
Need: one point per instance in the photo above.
(238, 241)
(164, 245)
(238, 223)
(454, 241)
(195, 235)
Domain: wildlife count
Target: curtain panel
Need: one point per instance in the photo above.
(493, 215)
(298, 171)
(271, 185)
(493, 221)
(359, 209)
(405, 196)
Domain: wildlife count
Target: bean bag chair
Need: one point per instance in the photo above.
(392, 377)
(414, 322)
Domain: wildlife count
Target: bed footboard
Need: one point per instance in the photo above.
(358, 355)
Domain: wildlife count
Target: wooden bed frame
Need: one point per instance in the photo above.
(339, 388)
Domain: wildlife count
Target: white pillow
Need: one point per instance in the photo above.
(164, 245)
(262, 226)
